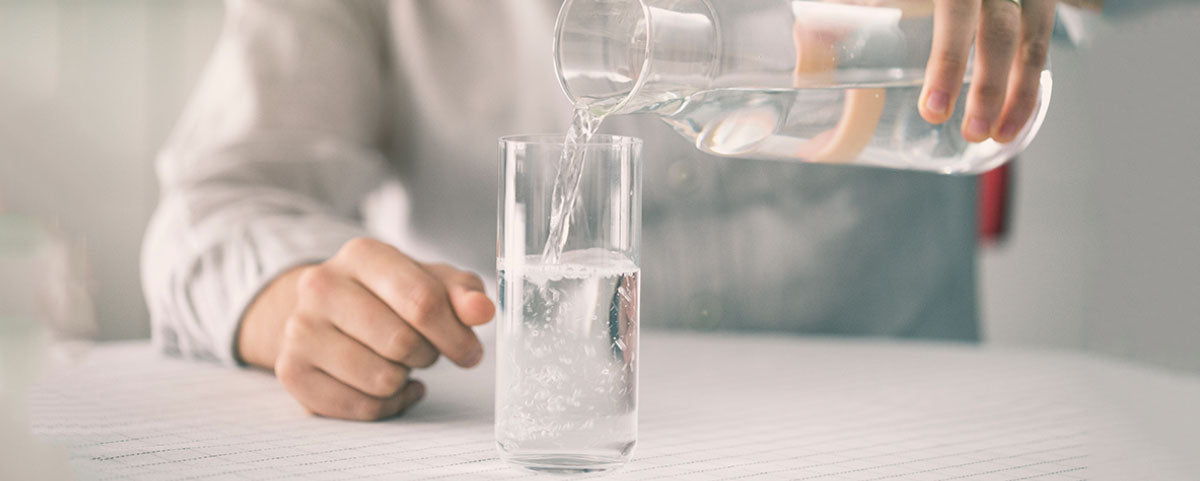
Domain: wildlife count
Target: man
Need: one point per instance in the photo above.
(337, 161)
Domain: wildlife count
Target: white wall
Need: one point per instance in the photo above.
(88, 90)
(1106, 253)
(1105, 248)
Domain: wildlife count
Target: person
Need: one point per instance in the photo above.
(330, 188)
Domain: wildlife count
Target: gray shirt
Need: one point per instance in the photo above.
(318, 121)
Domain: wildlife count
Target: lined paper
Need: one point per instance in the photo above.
(712, 407)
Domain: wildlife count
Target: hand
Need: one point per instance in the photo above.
(343, 335)
(1011, 46)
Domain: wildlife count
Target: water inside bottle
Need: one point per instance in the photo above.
(875, 124)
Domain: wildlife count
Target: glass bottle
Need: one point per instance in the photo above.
(815, 81)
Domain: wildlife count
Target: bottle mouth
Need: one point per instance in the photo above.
(557, 140)
(602, 52)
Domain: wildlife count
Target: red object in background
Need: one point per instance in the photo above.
(995, 197)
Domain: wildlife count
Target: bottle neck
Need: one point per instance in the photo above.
(626, 56)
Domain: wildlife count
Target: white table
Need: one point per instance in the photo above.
(713, 406)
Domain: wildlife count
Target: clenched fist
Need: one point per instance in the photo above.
(344, 335)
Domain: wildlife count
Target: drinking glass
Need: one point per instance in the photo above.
(567, 340)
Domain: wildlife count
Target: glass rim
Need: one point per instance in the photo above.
(598, 140)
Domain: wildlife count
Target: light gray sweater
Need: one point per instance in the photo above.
(317, 121)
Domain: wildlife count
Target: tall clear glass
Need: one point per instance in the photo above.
(567, 340)
(832, 81)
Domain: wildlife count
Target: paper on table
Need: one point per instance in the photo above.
(712, 407)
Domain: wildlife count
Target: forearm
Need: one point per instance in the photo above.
(207, 257)
(265, 170)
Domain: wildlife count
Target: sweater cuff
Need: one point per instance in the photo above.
(306, 241)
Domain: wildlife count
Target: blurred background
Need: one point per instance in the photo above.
(1103, 253)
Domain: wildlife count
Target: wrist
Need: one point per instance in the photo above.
(260, 330)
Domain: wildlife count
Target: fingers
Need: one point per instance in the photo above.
(1011, 45)
(333, 375)
(467, 295)
(1024, 79)
(416, 295)
(346, 359)
(322, 394)
(362, 316)
(954, 27)
(363, 319)
(995, 47)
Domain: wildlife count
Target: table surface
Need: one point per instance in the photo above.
(712, 406)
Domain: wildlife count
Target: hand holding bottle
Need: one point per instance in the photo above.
(1012, 39)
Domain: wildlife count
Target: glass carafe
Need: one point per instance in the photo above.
(816, 81)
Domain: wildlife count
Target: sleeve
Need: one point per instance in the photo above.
(267, 167)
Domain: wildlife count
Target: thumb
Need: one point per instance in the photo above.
(471, 304)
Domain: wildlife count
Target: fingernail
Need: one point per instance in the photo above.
(474, 358)
(977, 128)
(937, 101)
(1008, 131)
(418, 391)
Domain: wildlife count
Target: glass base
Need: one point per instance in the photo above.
(560, 463)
